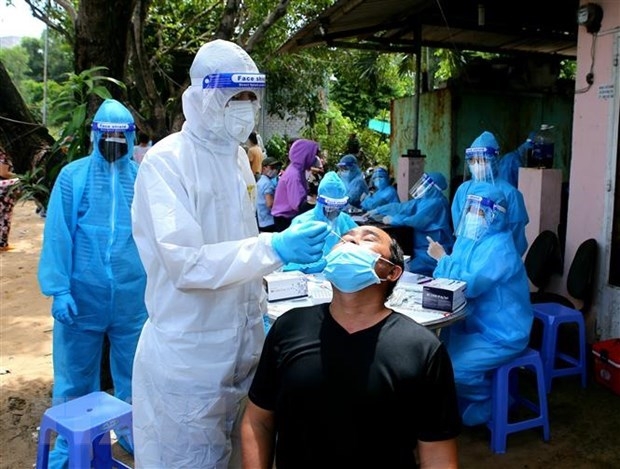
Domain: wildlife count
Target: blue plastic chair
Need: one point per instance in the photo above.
(506, 397)
(86, 423)
(555, 362)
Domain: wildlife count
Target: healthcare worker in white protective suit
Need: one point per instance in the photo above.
(196, 232)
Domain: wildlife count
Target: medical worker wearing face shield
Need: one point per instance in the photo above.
(428, 213)
(195, 227)
(385, 193)
(331, 200)
(352, 175)
(90, 265)
(497, 328)
(481, 160)
(510, 163)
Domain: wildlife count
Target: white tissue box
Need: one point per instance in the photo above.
(285, 285)
(443, 294)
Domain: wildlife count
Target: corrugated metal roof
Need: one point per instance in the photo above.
(526, 26)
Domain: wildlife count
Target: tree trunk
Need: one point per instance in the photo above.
(101, 32)
(20, 135)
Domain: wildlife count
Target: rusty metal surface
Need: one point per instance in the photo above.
(389, 25)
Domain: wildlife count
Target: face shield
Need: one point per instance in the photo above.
(332, 207)
(421, 187)
(380, 179)
(482, 163)
(239, 95)
(113, 139)
(478, 214)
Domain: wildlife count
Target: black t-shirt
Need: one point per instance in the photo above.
(357, 400)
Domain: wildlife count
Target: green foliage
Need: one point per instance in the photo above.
(364, 83)
(15, 59)
(70, 108)
(276, 148)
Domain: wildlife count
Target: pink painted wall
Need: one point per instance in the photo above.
(593, 138)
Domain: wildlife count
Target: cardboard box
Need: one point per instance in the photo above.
(607, 364)
(285, 285)
(443, 294)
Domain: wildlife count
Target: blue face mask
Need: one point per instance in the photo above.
(351, 268)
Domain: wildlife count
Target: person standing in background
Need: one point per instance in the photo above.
(481, 160)
(142, 147)
(8, 196)
(255, 155)
(194, 221)
(292, 189)
(89, 264)
(264, 194)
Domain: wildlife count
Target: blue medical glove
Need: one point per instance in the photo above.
(387, 220)
(301, 243)
(64, 308)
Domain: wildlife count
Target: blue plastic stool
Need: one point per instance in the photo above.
(556, 363)
(506, 396)
(86, 423)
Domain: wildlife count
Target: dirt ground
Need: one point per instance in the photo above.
(584, 422)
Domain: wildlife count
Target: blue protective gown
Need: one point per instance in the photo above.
(428, 216)
(517, 217)
(356, 185)
(331, 186)
(498, 324)
(88, 251)
(509, 164)
(384, 192)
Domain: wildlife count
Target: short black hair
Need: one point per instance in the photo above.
(252, 138)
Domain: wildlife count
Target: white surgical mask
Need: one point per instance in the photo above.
(477, 171)
(239, 119)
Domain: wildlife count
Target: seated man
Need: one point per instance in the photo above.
(352, 383)
(331, 199)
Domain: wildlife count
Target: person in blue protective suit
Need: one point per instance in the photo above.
(352, 175)
(384, 192)
(89, 264)
(331, 200)
(497, 327)
(428, 213)
(509, 164)
(481, 160)
(194, 223)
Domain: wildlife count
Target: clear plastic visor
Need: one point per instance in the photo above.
(331, 204)
(219, 88)
(422, 186)
(478, 214)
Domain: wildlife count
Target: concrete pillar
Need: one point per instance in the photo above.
(409, 171)
(542, 192)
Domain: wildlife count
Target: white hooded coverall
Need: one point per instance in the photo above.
(194, 225)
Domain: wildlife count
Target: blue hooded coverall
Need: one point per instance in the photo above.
(384, 193)
(89, 257)
(510, 163)
(332, 187)
(353, 178)
(516, 213)
(429, 215)
(497, 327)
